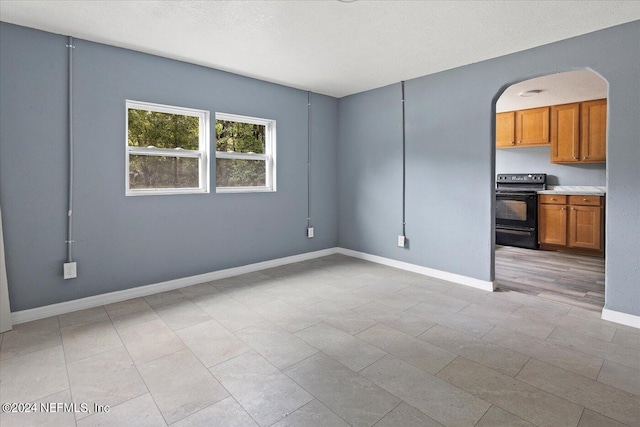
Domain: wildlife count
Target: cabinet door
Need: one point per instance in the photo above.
(552, 224)
(505, 129)
(585, 229)
(532, 126)
(565, 137)
(593, 140)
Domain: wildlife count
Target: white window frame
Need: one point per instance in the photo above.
(269, 155)
(202, 154)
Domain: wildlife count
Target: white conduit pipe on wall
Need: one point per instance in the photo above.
(404, 167)
(69, 240)
(308, 159)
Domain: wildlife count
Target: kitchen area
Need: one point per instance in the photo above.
(551, 188)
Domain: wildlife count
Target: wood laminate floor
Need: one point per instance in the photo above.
(573, 279)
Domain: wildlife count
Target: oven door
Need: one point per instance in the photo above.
(516, 210)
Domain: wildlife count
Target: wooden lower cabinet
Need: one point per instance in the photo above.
(585, 227)
(552, 224)
(571, 223)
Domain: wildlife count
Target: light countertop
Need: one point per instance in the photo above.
(575, 190)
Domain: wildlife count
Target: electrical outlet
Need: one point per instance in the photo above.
(310, 232)
(401, 241)
(69, 270)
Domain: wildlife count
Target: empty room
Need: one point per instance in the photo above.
(320, 213)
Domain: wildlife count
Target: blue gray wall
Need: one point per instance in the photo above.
(123, 242)
(537, 160)
(126, 242)
(451, 160)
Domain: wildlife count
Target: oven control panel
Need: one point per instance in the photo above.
(523, 178)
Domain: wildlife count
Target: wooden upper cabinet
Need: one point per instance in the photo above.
(532, 126)
(593, 138)
(579, 132)
(505, 130)
(565, 133)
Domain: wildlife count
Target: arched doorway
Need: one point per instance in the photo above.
(553, 126)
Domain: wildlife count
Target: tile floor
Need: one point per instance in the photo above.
(334, 341)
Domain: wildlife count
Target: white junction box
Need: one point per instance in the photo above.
(70, 271)
(401, 241)
(310, 232)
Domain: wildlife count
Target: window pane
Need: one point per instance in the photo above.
(163, 172)
(240, 173)
(162, 130)
(240, 137)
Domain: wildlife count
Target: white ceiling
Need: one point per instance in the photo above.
(326, 46)
(556, 89)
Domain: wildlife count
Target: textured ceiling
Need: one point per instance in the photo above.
(556, 89)
(326, 46)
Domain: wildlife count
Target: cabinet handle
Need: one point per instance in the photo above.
(519, 142)
(513, 143)
(585, 157)
(553, 199)
(576, 158)
(585, 200)
(573, 209)
(564, 209)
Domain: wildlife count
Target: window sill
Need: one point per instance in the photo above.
(245, 190)
(166, 191)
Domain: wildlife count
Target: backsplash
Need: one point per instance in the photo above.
(538, 160)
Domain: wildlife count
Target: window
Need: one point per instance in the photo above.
(245, 154)
(167, 150)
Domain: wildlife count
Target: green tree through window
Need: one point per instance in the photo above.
(164, 148)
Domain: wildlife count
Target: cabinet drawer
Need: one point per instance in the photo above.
(553, 199)
(585, 200)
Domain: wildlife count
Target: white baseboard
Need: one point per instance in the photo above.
(438, 274)
(620, 317)
(142, 291)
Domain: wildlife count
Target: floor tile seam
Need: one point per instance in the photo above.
(522, 382)
(66, 367)
(111, 407)
(235, 400)
(133, 363)
(504, 323)
(573, 373)
(293, 411)
(486, 411)
(325, 404)
(224, 361)
(358, 373)
(610, 385)
(77, 325)
(392, 409)
(30, 352)
(257, 351)
(96, 354)
(138, 324)
(154, 400)
(605, 358)
(491, 344)
(445, 366)
(150, 360)
(562, 347)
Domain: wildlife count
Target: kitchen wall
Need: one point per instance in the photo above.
(451, 153)
(123, 242)
(537, 160)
